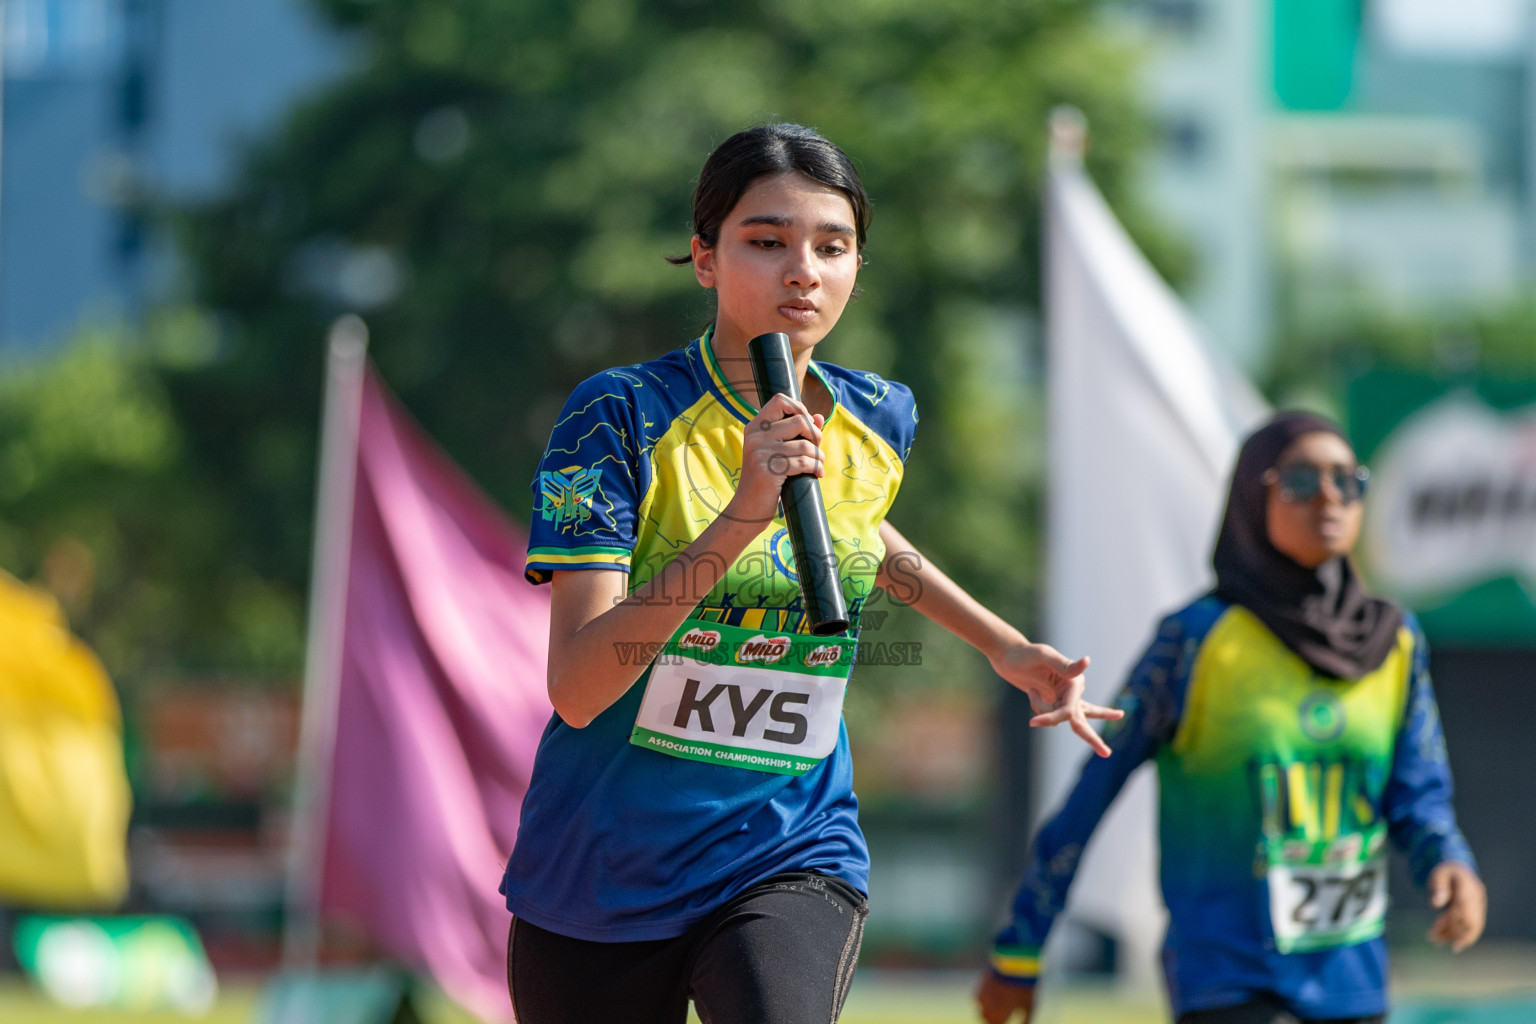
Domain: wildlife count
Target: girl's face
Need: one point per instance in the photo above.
(1312, 528)
(786, 259)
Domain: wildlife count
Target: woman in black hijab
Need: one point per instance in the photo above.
(1304, 587)
(1295, 731)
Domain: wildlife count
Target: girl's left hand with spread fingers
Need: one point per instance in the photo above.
(1055, 688)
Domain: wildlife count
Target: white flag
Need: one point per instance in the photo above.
(1143, 428)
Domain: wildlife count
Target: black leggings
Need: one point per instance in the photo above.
(1266, 1011)
(782, 952)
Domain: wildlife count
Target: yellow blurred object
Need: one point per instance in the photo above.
(64, 798)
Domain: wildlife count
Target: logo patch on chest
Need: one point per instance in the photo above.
(1322, 715)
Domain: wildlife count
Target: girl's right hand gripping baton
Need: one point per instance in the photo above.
(804, 513)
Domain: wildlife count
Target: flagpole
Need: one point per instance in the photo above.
(346, 351)
(1067, 135)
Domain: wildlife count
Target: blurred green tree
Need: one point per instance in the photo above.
(100, 503)
(1317, 357)
(495, 185)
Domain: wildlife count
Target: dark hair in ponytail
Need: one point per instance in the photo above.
(763, 151)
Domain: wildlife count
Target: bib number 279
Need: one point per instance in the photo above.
(1317, 907)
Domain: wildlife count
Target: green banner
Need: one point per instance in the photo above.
(1450, 525)
(127, 963)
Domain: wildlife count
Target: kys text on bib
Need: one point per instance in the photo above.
(743, 698)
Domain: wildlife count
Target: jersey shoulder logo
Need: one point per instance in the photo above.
(567, 495)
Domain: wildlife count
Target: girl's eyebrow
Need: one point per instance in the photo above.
(773, 220)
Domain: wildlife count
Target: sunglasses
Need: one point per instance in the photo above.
(1301, 483)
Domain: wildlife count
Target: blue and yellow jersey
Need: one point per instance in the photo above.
(620, 843)
(645, 457)
(1278, 788)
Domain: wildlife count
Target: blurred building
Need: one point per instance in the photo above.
(1323, 156)
(1408, 187)
(112, 104)
(1205, 64)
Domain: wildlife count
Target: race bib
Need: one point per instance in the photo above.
(745, 698)
(1324, 894)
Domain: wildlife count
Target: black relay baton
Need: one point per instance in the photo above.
(804, 513)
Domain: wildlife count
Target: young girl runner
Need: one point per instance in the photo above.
(1294, 729)
(691, 830)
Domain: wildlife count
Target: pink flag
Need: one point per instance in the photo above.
(440, 707)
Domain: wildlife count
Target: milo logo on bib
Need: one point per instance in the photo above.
(762, 649)
(775, 705)
(824, 655)
(699, 640)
